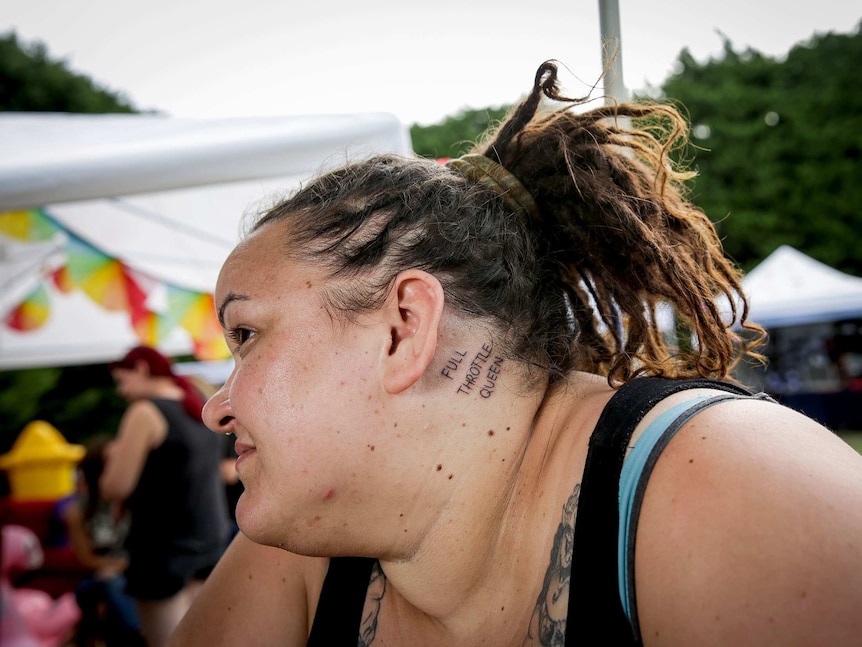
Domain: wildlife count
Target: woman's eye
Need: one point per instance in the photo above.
(240, 335)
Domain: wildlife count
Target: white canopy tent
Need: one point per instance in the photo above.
(166, 196)
(789, 288)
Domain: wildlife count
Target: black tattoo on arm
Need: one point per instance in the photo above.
(371, 613)
(548, 624)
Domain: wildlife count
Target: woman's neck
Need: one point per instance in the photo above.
(165, 388)
(464, 564)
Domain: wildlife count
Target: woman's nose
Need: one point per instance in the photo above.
(217, 414)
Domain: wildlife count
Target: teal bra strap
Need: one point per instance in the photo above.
(637, 468)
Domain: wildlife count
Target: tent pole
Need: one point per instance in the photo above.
(612, 50)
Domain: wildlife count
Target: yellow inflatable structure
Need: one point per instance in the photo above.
(41, 464)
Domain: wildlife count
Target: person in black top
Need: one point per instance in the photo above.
(164, 465)
(439, 373)
(232, 484)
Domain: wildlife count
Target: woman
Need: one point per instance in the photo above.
(165, 466)
(437, 369)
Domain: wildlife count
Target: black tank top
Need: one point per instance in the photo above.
(595, 615)
(179, 507)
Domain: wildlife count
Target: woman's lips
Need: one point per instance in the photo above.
(243, 451)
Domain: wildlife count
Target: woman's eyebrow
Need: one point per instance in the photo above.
(230, 298)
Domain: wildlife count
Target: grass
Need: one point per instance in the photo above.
(852, 438)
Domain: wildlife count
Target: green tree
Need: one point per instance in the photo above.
(778, 146)
(454, 135)
(79, 401)
(30, 81)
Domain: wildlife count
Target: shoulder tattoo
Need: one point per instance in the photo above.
(371, 613)
(548, 624)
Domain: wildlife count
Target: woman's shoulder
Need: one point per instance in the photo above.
(143, 409)
(748, 528)
(755, 432)
(164, 406)
(142, 427)
(273, 591)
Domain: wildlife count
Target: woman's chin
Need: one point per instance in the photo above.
(253, 522)
(245, 517)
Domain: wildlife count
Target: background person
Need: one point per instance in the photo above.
(232, 484)
(95, 529)
(164, 466)
(436, 373)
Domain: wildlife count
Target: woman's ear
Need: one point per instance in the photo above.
(412, 312)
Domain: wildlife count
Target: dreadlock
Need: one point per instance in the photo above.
(580, 284)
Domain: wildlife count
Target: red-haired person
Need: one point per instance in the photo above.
(164, 464)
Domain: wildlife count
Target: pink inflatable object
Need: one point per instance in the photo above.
(28, 617)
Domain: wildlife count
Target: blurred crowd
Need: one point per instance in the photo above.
(107, 543)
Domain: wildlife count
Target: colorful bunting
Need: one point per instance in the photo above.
(32, 312)
(62, 280)
(29, 225)
(195, 312)
(100, 276)
(151, 328)
(114, 286)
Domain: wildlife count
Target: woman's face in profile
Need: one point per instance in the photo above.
(130, 382)
(300, 400)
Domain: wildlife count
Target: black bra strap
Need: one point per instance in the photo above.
(596, 614)
(339, 610)
(640, 489)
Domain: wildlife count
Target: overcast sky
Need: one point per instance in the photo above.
(419, 60)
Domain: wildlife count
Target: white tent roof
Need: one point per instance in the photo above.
(790, 288)
(164, 195)
(55, 158)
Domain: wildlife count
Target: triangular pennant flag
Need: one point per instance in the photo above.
(105, 279)
(32, 312)
(29, 225)
(195, 312)
(151, 327)
(62, 280)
